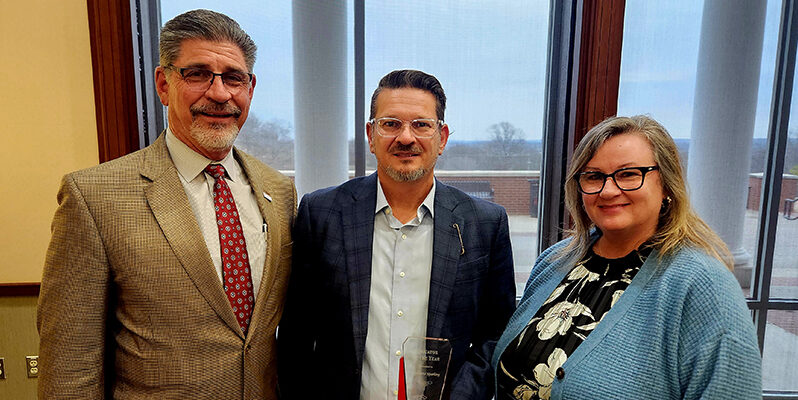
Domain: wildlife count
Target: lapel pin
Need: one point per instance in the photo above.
(462, 248)
(267, 197)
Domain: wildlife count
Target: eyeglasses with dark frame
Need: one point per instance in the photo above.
(626, 179)
(201, 79)
(393, 127)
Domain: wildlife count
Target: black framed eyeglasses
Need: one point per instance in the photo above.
(201, 79)
(393, 127)
(626, 179)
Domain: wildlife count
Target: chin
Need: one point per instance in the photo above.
(215, 138)
(613, 226)
(405, 175)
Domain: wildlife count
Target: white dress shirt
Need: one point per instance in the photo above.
(199, 189)
(401, 264)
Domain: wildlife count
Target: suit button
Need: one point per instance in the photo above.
(560, 373)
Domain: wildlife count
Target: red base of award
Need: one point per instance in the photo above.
(402, 394)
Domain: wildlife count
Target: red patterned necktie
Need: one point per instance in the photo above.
(235, 261)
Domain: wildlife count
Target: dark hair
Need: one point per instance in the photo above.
(410, 78)
(206, 25)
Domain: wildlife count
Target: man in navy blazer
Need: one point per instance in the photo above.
(391, 255)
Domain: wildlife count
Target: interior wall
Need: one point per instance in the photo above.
(48, 122)
(18, 339)
(49, 129)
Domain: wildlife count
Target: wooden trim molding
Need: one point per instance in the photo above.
(599, 64)
(111, 41)
(19, 289)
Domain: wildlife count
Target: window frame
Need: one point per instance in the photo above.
(761, 302)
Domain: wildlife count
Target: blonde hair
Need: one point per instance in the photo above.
(678, 224)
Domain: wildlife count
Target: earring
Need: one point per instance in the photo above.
(666, 202)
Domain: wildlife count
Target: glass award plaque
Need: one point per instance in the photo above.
(423, 368)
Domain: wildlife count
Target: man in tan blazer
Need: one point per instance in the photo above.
(132, 302)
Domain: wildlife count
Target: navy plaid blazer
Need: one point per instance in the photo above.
(322, 334)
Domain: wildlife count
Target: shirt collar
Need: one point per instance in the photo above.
(190, 164)
(428, 203)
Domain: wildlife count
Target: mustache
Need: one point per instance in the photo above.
(224, 108)
(410, 148)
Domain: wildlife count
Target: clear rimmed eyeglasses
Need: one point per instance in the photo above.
(200, 79)
(627, 179)
(393, 127)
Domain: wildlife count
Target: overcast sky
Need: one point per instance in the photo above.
(490, 57)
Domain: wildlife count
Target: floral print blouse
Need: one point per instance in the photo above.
(530, 363)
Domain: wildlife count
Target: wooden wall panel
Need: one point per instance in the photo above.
(599, 64)
(114, 80)
(19, 289)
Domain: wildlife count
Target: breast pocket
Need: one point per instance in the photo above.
(286, 250)
(285, 258)
(473, 270)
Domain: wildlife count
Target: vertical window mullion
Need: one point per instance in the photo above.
(146, 23)
(360, 87)
(777, 143)
(558, 118)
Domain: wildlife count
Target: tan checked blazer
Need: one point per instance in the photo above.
(131, 306)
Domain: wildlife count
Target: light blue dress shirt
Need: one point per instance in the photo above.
(401, 264)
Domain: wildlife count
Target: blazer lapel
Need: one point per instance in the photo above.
(169, 204)
(273, 242)
(358, 232)
(446, 251)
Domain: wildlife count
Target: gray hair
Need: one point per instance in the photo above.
(206, 25)
(410, 78)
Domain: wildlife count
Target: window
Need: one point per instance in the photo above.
(489, 56)
(714, 92)
(269, 131)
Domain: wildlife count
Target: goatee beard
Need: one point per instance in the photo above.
(215, 137)
(405, 176)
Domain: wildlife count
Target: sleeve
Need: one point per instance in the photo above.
(73, 303)
(725, 368)
(296, 336)
(496, 305)
(718, 353)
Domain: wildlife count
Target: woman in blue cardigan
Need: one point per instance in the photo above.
(639, 303)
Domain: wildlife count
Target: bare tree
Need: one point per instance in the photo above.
(507, 145)
(270, 141)
(506, 138)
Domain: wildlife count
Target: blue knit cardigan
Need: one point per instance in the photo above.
(681, 330)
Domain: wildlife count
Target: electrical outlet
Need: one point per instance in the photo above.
(32, 365)
(2, 368)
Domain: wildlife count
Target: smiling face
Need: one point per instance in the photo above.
(406, 158)
(629, 216)
(206, 121)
